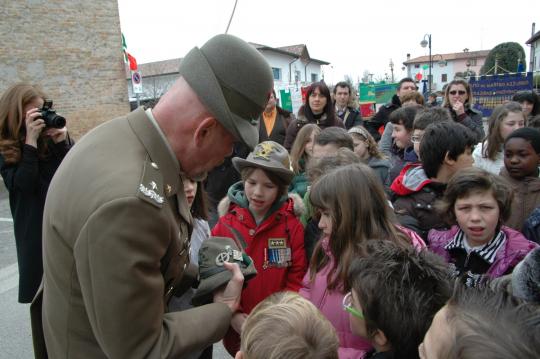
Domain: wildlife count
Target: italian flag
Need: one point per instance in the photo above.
(127, 56)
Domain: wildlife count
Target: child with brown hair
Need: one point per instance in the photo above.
(301, 154)
(352, 208)
(258, 210)
(477, 203)
(395, 293)
(287, 326)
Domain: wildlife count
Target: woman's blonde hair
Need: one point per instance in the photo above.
(298, 152)
(12, 119)
(288, 326)
(355, 198)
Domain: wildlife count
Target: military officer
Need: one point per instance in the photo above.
(117, 223)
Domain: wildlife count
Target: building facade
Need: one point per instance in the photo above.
(534, 43)
(445, 67)
(292, 68)
(73, 50)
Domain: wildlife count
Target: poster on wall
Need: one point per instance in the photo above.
(492, 90)
(285, 100)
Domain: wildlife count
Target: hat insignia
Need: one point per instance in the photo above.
(226, 256)
(264, 150)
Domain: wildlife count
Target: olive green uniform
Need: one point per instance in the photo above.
(116, 246)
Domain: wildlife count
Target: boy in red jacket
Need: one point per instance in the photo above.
(258, 210)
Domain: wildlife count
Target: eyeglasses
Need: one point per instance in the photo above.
(416, 139)
(460, 92)
(347, 306)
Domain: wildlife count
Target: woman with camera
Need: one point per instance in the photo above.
(30, 152)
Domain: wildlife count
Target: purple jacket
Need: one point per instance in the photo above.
(515, 249)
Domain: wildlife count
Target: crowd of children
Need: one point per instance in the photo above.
(441, 261)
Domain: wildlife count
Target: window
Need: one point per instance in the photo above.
(297, 76)
(314, 77)
(472, 62)
(444, 78)
(277, 73)
(417, 66)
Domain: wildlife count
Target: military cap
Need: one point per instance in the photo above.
(213, 253)
(233, 81)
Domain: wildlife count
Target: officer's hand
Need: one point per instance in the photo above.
(237, 321)
(230, 294)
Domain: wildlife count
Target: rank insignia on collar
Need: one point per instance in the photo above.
(151, 192)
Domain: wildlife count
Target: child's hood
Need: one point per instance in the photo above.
(237, 196)
(411, 179)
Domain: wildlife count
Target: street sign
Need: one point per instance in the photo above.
(418, 76)
(136, 81)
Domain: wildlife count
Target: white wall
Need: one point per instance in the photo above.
(282, 61)
(536, 56)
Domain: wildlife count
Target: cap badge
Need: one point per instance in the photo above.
(264, 150)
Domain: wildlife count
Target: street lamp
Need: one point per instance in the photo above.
(392, 69)
(425, 43)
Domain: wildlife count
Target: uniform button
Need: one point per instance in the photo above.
(185, 265)
(169, 290)
(154, 165)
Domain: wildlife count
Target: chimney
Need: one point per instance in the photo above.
(531, 54)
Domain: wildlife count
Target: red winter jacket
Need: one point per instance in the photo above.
(283, 223)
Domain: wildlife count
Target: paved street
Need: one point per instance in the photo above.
(15, 332)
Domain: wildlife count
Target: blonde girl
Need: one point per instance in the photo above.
(367, 150)
(503, 121)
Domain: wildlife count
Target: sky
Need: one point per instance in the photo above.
(354, 36)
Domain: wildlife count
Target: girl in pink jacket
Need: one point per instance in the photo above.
(353, 208)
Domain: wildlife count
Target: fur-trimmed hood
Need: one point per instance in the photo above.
(297, 204)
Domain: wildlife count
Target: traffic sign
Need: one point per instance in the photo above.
(136, 81)
(418, 76)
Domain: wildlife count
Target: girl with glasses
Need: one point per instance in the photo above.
(458, 100)
(353, 209)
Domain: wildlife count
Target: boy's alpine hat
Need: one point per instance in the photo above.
(269, 156)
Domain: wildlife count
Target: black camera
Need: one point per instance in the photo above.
(50, 117)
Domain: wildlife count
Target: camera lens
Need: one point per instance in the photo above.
(54, 120)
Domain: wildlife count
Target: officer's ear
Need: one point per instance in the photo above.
(204, 130)
(239, 355)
